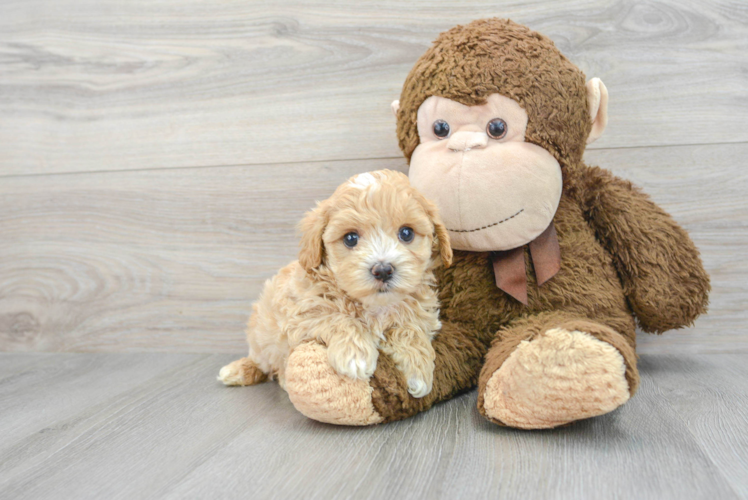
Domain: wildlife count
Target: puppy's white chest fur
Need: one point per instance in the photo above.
(420, 312)
(379, 319)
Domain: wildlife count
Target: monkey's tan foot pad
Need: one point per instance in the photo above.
(318, 392)
(555, 379)
(241, 372)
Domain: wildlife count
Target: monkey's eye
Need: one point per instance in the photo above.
(406, 234)
(441, 129)
(496, 128)
(351, 239)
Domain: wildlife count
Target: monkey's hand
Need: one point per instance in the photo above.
(662, 274)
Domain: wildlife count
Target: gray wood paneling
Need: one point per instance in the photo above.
(171, 259)
(175, 432)
(100, 85)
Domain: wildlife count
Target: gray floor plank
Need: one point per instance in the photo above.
(171, 259)
(48, 399)
(180, 434)
(110, 85)
(12, 364)
(130, 445)
(58, 386)
(711, 396)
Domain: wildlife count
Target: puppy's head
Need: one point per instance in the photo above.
(378, 235)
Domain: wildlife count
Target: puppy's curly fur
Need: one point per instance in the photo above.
(332, 295)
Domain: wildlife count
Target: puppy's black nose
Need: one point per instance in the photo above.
(383, 272)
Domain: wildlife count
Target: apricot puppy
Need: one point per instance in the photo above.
(363, 282)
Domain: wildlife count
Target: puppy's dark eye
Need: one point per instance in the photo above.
(406, 234)
(351, 239)
(496, 128)
(441, 129)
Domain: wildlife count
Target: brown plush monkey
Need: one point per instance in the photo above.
(554, 262)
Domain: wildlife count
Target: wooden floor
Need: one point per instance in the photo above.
(154, 160)
(160, 426)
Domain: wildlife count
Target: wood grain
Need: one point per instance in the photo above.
(710, 394)
(102, 85)
(171, 259)
(48, 396)
(175, 432)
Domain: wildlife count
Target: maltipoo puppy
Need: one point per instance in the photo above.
(363, 282)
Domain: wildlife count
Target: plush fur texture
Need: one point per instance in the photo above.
(496, 56)
(332, 296)
(623, 259)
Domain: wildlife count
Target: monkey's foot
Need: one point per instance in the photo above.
(318, 392)
(558, 377)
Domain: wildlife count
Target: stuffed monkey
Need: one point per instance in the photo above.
(555, 262)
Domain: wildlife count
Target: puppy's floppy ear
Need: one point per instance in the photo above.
(442, 245)
(312, 227)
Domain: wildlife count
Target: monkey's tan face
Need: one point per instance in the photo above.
(494, 190)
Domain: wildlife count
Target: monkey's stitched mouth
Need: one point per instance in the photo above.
(486, 227)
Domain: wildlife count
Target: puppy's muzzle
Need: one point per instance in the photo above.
(383, 271)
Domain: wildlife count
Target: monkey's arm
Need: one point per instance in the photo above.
(662, 274)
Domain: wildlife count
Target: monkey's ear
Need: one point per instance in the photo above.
(442, 244)
(395, 106)
(597, 98)
(312, 227)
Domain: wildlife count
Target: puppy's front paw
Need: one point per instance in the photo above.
(420, 377)
(353, 361)
(418, 388)
(414, 357)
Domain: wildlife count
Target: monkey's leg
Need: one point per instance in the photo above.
(321, 394)
(551, 369)
(241, 372)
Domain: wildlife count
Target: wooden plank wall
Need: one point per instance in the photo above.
(156, 156)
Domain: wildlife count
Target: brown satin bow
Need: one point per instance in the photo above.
(509, 265)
